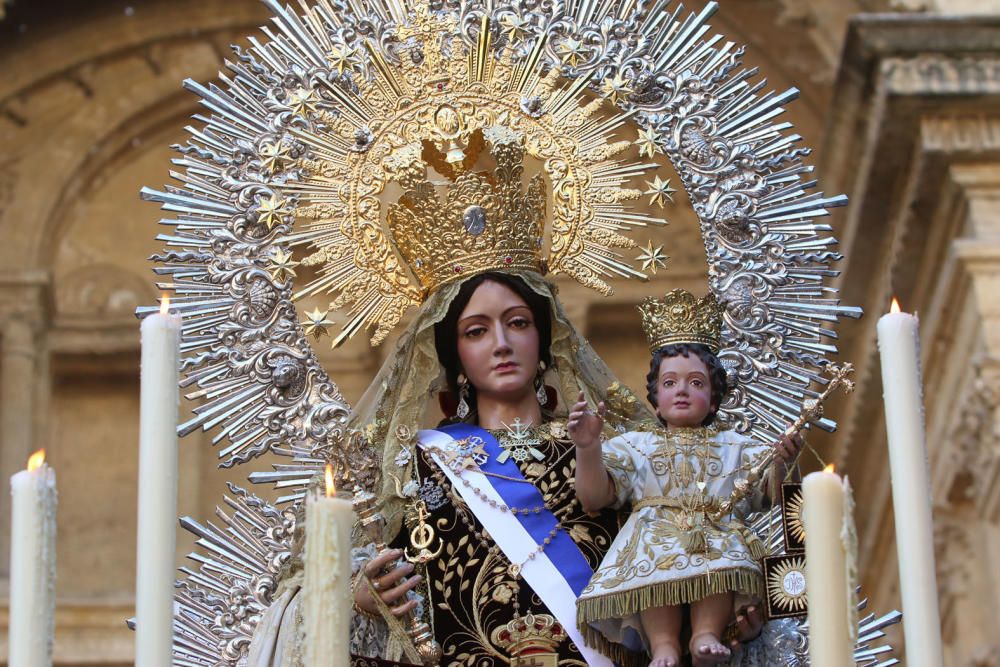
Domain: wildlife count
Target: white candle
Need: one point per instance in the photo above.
(827, 586)
(327, 612)
(32, 565)
(899, 347)
(156, 535)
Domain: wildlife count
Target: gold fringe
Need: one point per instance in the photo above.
(596, 640)
(621, 604)
(618, 654)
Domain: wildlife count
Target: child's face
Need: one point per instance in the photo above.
(684, 391)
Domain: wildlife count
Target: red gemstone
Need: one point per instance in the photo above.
(508, 259)
(458, 269)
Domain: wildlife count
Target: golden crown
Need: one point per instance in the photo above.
(437, 105)
(679, 317)
(530, 634)
(486, 221)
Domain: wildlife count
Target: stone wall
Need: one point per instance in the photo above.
(903, 112)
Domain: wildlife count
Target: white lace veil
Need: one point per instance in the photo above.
(403, 397)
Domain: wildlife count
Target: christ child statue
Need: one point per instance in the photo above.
(687, 545)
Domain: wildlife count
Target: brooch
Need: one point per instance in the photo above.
(519, 443)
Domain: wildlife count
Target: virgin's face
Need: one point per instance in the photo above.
(498, 343)
(684, 393)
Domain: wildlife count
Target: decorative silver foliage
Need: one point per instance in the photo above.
(220, 604)
(228, 261)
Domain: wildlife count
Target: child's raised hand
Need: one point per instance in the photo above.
(585, 426)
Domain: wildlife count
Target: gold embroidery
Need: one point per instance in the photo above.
(682, 541)
(421, 538)
(471, 592)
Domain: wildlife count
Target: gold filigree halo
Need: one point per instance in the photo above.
(680, 317)
(441, 106)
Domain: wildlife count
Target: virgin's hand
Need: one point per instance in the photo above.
(392, 586)
(585, 426)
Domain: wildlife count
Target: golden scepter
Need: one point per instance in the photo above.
(812, 409)
(372, 522)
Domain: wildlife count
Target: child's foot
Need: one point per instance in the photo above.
(706, 650)
(665, 656)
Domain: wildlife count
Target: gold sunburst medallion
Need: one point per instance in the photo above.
(795, 532)
(786, 585)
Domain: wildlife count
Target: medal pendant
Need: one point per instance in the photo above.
(519, 443)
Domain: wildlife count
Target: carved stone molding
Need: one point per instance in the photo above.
(978, 429)
(953, 554)
(87, 629)
(980, 258)
(100, 295)
(971, 434)
(71, 58)
(914, 138)
(932, 74)
(23, 296)
(965, 133)
(974, 461)
(909, 5)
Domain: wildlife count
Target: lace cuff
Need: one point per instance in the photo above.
(369, 635)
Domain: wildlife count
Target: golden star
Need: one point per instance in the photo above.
(316, 323)
(303, 101)
(343, 57)
(514, 26)
(274, 155)
(661, 191)
(652, 258)
(615, 88)
(572, 51)
(272, 212)
(647, 142)
(281, 265)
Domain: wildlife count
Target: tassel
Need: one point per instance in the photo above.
(756, 547)
(694, 541)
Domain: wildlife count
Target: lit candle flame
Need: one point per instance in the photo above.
(165, 305)
(894, 307)
(36, 460)
(829, 468)
(330, 488)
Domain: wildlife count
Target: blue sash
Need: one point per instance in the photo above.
(562, 550)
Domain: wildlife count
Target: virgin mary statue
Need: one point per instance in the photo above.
(427, 166)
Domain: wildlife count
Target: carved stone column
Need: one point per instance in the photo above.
(18, 359)
(21, 353)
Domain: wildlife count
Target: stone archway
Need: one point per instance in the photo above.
(88, 109)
